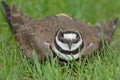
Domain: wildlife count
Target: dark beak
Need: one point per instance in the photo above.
(69, 44)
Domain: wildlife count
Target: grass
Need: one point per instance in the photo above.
(104, 66)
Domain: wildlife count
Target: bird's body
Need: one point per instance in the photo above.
(43, 35)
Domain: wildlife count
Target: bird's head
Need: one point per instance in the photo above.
(67, 44)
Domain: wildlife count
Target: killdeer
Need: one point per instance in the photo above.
(66, 37)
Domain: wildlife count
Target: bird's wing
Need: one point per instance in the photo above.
(22, 27)
(107, 29)
(91, 41)
(93, 38)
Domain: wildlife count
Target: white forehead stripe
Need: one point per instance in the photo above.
(70, 36)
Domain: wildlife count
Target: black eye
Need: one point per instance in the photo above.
(61, 37)
(61, 34)
(77, 38)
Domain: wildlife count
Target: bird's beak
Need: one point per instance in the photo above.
(69, 44)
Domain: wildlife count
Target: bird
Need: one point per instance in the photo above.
(60, 35)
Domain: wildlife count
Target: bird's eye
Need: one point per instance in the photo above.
(61, 37)
(78, 36)
(77, 39)
(61, 34)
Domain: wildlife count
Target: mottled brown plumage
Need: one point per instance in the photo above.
(39, 34)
